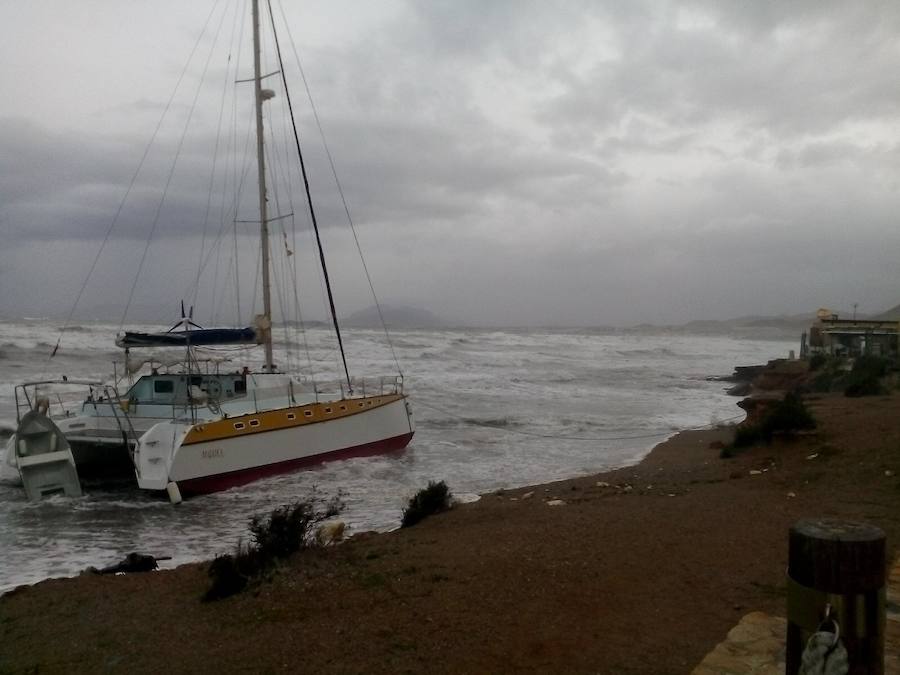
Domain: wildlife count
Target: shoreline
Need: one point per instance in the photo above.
(463, 498)
(460, 500)
(639, 580)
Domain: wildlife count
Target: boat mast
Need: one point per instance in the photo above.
(263, 215)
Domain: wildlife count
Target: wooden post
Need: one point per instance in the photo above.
(841, 564)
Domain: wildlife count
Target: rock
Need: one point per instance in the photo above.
(330, 533)
(602, 484)
(812, 456)
(627, 488)
(133, 562)
(740, 389)
(888, 473)
(528, 495)
(755, 472)
(747, 373)
(556, 502)
(791, 495)
(757, 407)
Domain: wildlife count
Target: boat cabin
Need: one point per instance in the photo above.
(180, 388)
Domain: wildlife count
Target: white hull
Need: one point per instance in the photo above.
(208, 457)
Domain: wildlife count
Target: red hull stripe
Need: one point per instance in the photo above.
(224, 481)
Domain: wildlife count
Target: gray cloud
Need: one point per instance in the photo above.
(508, 162)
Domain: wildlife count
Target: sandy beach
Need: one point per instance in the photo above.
(641, 570)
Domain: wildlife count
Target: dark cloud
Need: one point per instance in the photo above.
(505, 162)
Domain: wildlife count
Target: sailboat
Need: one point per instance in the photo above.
(193, 429)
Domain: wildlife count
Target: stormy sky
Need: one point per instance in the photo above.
(506, 162)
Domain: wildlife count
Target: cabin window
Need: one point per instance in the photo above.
(328, 410)
(238, 425)
(196, 380)
(254, 423)
(291, 416)
(163, 386)
(307, 413)
(343, 407)
(240, 387)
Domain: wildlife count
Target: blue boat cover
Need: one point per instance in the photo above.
(199, 337)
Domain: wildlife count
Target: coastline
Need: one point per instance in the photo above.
(638, 579)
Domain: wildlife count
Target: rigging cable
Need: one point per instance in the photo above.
(279, 172)
(212, 171)
(130, 187)
(171, 174)
(340, 189)
(291, 249)
(312, 212)
(235, 192)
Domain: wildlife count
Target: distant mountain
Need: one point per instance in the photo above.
(785, 325)
(892, 314)
(394, 317)
(751, 326)
(782, 322)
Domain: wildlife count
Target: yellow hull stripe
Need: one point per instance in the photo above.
(285, 418)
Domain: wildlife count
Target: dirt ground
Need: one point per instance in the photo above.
(643, 575)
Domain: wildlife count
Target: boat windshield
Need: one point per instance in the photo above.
(173, 389)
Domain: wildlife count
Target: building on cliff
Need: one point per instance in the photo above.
(833, 335)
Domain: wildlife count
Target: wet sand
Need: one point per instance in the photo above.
(643, 575)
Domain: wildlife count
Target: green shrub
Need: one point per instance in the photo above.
(230, 573)
(865, 378)
(426, 502)
(286, 530)
(816, 361)
(824, 381)
(863, 386)
(787, 416)
(868, 364)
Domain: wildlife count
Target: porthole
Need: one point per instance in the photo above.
(238, 425)
(307, 413)
(254, 423)
(291, 416)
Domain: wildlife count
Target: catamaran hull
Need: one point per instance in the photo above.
(177, 452)
(225, 481)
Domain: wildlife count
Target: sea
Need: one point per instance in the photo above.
(494, 409)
